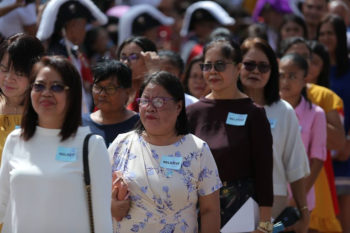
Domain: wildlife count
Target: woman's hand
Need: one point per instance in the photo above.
(151, 60)
(120, 197)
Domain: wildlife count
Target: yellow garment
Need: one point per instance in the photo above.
(7, 125)
(323, 218)
(324, 97)
(249, 5)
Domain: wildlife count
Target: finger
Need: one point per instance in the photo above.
(115, 191)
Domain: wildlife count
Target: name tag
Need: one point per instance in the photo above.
(66, 154)
(272, 123)
(236, 119)
(17, 126)
(171, 162)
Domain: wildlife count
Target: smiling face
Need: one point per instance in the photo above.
(110, 102)
(196, 83)
(159, 121)
(12, 83)
(254, 79)
(220, 81)
(50, 106)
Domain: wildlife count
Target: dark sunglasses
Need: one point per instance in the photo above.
(55, 88)
(218, 66)
(263, 67)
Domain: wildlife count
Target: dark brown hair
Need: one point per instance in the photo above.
(71, 78)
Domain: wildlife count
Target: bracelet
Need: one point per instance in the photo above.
(304, 208)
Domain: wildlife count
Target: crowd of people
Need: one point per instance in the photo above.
(196, 107)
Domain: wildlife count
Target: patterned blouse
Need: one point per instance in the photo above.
(164, 182)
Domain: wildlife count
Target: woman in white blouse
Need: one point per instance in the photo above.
(41, 178)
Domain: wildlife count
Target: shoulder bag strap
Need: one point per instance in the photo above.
(87, 179)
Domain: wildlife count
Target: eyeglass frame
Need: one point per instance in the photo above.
(105, 89)
(257, 65)
(150, 100)
(215, 65)
(129, 58)
(33, 88)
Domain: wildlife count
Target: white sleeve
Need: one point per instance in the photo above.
(27, 14)
(5, 177)
(295, 158)
(101, 184)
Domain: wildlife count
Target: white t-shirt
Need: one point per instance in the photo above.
(42, 186)
(13, 22)
(290, 161)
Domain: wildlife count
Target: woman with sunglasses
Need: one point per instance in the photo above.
(110, 91)
(237, 131)
(259, 80)
(17, 57)
(42, 176)
(168, 170)
(140, 55)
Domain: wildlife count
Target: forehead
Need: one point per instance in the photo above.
(299, 48)
(152, 90)
(48, 74)
(316, 2)
(131, 48)
(255, 54)
(214, 53)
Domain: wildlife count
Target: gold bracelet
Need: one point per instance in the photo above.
(262, 230)
(304, 208)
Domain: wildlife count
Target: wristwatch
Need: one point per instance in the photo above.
(267, 226)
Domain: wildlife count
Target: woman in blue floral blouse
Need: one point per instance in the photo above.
(167, 170)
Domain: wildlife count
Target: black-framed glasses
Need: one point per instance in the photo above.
(55, 87)
(157, 102)
(109, 90)
(263, 67)
(219, 66)
(130, 58)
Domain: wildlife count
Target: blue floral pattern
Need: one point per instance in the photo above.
(163, 199)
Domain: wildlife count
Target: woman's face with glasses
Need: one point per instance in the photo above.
(109, 96)
(12, 83)
(49, 96)
(130, 55)
(256, 70)
(219, 72)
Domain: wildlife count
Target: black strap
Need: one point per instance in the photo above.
(86, 159)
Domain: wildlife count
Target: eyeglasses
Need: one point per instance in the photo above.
(218, 66)
(55, 88)
(157, 102)
(263, 67)
(130, 58)
(109, 90)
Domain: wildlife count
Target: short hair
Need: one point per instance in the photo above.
(188, 71)
(110, 68)
(144, 43)
(229, 49)
(257, 30)
(70, 77)
(289, 42)
(173, 58)
(271, 90)
(173, 86)
(320, 50)
(23, 51)
(341, 51)
(91, 38)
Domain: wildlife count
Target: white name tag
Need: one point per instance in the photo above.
(236, 119)
(272, 123)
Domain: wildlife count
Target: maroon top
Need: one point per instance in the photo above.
(242, 149)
